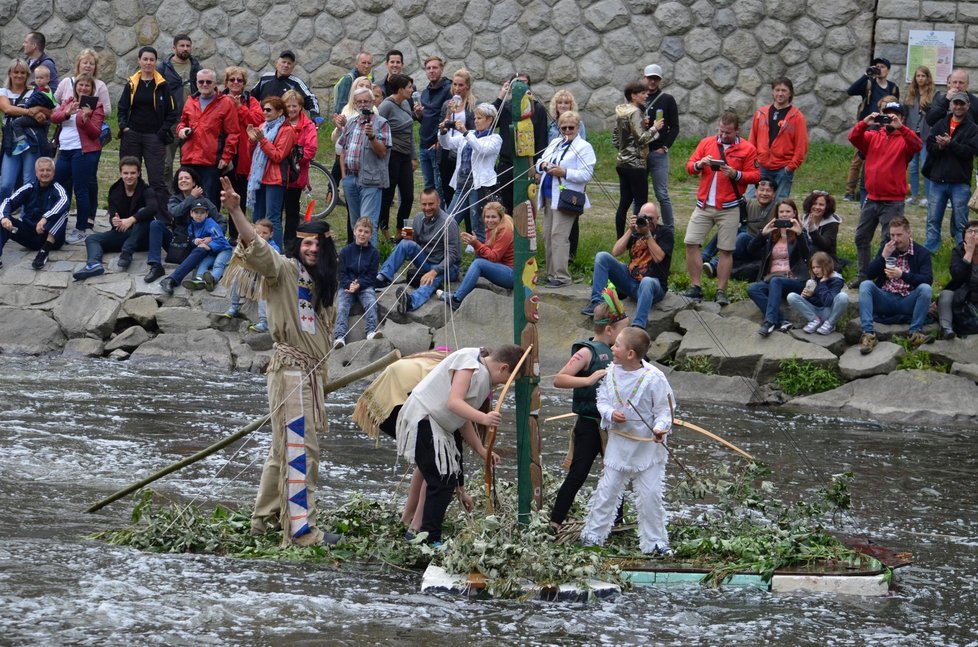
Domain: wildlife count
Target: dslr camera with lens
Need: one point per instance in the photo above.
(641, 221)
(872, 71)
(883, 120)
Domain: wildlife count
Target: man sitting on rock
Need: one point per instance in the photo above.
(760, 211)
(646, 277)
(43, 205)
(898, 289)
(130, 203)
(433, 250)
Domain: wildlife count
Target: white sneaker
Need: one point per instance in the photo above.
(339, 343)
(377, 334)
(923, 202)
(76, 236)
(469, 249)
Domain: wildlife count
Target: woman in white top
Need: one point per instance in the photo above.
(475, 166)
(568, 163)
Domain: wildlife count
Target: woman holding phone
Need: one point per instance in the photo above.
(632, 136)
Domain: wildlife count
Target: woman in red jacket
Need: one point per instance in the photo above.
(79, 148)
(249, 114)
(495, 256)
(272, 144)
(307, 138)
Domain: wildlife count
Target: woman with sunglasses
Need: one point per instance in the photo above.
(272, 143)
(632, 136)
(561, 102)
(249, 114)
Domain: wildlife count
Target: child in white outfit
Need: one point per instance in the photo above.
(631, 391)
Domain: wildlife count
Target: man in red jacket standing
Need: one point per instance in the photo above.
(887, 144)
(208, 133)
(726, 164)
(780, 135)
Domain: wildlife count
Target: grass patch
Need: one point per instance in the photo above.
(696, 364)
(918, 359)
(796, 377)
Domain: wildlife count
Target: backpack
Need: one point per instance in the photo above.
(290, 165)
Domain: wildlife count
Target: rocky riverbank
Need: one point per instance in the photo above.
(120, 317)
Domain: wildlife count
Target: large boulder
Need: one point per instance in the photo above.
(735, 348)
(713, 389)
(908, 397)
(129, 339)
(408, 338)
(356, 355)
(84, 347)
(208, 348)
(28, 332)
(84, 311)
(141, 309)
(181, 319)
(884, 358)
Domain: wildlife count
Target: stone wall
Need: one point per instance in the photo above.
(715, 53)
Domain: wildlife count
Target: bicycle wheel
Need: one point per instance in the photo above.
(321, 189)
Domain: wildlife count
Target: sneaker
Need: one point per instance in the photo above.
(76, 236)
(444, 295)
(867, 343)
(554, 284)
(339, 342)
(827, 328)
(923, 202)
(261, 326)
(709, 271)
(721, 298)
(193, 284)
(1, 263)
(40, 260)
(331, 538)
(231, 313)
(854, 284)
(588, 310)
(849, 197)
(812, 325)
(455, 303)
(381, 281)
(766, 329)
(124, 262)
(918, 338)
(155, 272)
(785, 326)
(20, 147)
(947, 334)
(693, 292)
(90, 270)
(209, 282)
(661, 551)
(403, 301)
(910, 200)
(168, 285)
(469, 249)
(377, 334)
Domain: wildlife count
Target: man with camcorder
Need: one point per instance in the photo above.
(887, 146)
(871, 87)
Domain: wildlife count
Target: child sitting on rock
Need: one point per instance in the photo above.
(634, 403)
(359, 263)
(265, 229)
(822, 301)
(211, 249)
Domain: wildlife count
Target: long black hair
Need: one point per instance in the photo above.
(325, 275)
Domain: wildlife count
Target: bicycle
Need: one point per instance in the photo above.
(321, 189)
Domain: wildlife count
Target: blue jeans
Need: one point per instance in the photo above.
(646, 292)
(916, 166)
(410, 250)
(938, 195)
(659, 172)
(466, 206)
(344, 300)
(501, 275)
(430, 172)
(160, 237)
(215, 262)
(886, 307)
(810, 311)
(783, 178)
(740, 254)
(194, 258)
(74, 171)
(209, 181)
(235, 297)
(15, 172)
(269, 200)
(362, 201)
(767, 295)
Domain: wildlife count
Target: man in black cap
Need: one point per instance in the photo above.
(300, 293)
(283, 80)
(940, 107)
(872, 86)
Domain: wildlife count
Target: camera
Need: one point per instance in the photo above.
(715, 164)
(366, 113)
(783, 223)
(883, 119)
(872, 71)
(641, 221)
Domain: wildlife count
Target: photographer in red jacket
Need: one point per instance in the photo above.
(208, 132)
(887, 144)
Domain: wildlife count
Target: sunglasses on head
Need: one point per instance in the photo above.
(819, 192)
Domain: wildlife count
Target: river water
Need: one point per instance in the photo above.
(73, 432)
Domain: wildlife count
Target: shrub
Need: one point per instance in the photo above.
(796, 377)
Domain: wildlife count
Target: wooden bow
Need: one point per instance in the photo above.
(491, 435)
(698, 429)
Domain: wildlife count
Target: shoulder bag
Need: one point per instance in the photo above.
(569, 200)
(743, 205)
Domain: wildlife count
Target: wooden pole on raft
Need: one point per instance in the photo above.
(254, 425)
(525, 316)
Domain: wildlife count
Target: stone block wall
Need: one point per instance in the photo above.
(715, 53)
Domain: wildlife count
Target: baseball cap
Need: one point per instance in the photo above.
(893, 106)
(961, 96)
(288, 53)
(200, 205)
(884, 61)
(653, 70)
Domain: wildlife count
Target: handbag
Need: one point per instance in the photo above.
(570, 200)
(973, 202)
(733, 183)
(179, 247)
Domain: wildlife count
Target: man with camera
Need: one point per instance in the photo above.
(887, 146)
(646, 277)
(365, 145)
(951, 149)
(726, 164)
(871, 87)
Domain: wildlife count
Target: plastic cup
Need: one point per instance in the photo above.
(407, 232)
(890, 262)
(810, 285)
